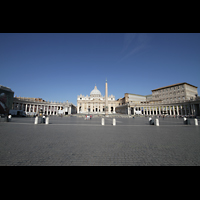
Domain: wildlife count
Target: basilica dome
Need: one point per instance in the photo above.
(95, 92)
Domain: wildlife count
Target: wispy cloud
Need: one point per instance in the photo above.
(134, 43)
(128, 39)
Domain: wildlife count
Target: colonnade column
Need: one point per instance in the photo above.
(192, 109)
(199, 108)
(189, 109)
(51, 108)
(173, 109)
(170, 112)
(177, 110)
(185, 113)
(181, 107)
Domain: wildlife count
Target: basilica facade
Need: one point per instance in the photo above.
(96, 103)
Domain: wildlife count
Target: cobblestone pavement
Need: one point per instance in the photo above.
(72, 141)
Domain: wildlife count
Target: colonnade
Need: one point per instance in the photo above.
(48, 109)
(183, 109)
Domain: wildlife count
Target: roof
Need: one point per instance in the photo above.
(5, 88)
(139, 95)
(173, 85)
(135, 94)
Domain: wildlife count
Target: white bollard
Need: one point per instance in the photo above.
(114, 122)
(196, 122)
(36, 120)
(157, 122)
(47, 120)
(102, 121)
(185, 120)
(9, 117)
(150, 121)
(150, 118)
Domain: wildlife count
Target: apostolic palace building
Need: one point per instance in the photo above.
(176, 99)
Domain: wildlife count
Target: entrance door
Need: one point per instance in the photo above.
(111, 109)
(132, 111)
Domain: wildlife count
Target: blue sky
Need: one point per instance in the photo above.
(60, 66)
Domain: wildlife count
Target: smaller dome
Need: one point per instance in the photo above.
(95, 92)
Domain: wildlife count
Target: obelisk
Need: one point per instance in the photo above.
(106, 99)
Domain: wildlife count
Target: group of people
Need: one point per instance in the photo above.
(88, 117)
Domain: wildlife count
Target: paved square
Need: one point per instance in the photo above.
(73, 141)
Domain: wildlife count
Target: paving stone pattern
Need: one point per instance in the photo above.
(73, 141)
